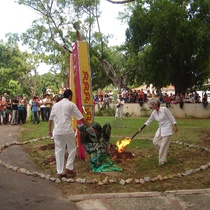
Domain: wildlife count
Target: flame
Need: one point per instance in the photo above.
(122, 144)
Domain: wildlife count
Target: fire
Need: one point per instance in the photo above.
(122, 144)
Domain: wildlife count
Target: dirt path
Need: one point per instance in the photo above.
(19, 191)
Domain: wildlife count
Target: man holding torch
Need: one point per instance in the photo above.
(164, 132)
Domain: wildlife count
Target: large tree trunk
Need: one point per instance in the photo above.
(118, 80)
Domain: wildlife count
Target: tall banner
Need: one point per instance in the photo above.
(80, 80)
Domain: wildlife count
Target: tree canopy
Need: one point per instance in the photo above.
(172, 39)
(167, 41)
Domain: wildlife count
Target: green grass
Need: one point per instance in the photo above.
(189, 130)
(145, 161)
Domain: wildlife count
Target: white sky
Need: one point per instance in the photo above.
(15, 18)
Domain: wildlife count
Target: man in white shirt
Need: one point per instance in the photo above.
(163, 134)
(63, 133)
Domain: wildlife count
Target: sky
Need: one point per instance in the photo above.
(16, 18)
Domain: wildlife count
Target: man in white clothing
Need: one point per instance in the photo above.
(63, 133)
(163, 134)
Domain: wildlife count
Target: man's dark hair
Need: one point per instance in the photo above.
(67, 93)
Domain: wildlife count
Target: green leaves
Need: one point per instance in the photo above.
(171, 37)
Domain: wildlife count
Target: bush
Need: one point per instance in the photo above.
(105, 112)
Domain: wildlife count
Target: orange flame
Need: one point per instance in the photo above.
(122, 144)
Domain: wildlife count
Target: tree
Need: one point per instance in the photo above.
(13, 66)
(56, 21)
(120, 2)
(53, 34)
(172, 38)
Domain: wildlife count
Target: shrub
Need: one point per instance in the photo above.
(105, 112)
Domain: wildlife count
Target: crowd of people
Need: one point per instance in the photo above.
(15, 110)
(103, 100)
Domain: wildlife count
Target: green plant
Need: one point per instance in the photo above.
(105, 112)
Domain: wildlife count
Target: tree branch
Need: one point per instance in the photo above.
(120, 2)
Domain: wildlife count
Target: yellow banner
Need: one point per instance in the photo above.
(85, 76)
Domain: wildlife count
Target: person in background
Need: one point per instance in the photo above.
(55, 99)
(35, 110)
(43, 108)
(60, 92)
(140, 100)
(48, 104)
(119, 107)
(25, 111)
(111, 96)
(15, 113)
(4, 98)
(167, 101)
(181, 100)
(63, 133)
(49, 90)
(2, 113)
(163, 134)
(96, 101)
(20, 112)
(8, 111)
(205, 100)
(106, 100)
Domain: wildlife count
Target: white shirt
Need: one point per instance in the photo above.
(42, 103)
(165, 121)
(62, 113)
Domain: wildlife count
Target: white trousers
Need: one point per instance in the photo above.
(61, 141)
(162, 145)
(119, 112)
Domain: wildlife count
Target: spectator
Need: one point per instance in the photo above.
(141, 93)
(4, 99)
(205, 100)
(48, 104)
(106, 100)
(181, 100)
(168, 101)
(2, 113)
(8, 111)
(55, 99)
(119, 108)
(43, 108)
(141, 100)
(111, 96)
(125, 95)
(35, 110)
(96, 101)
(60, 92)
(25, 112)
(20, 112)
(15, 113)
(49, 90)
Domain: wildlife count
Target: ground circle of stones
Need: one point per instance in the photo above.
(106, 180)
